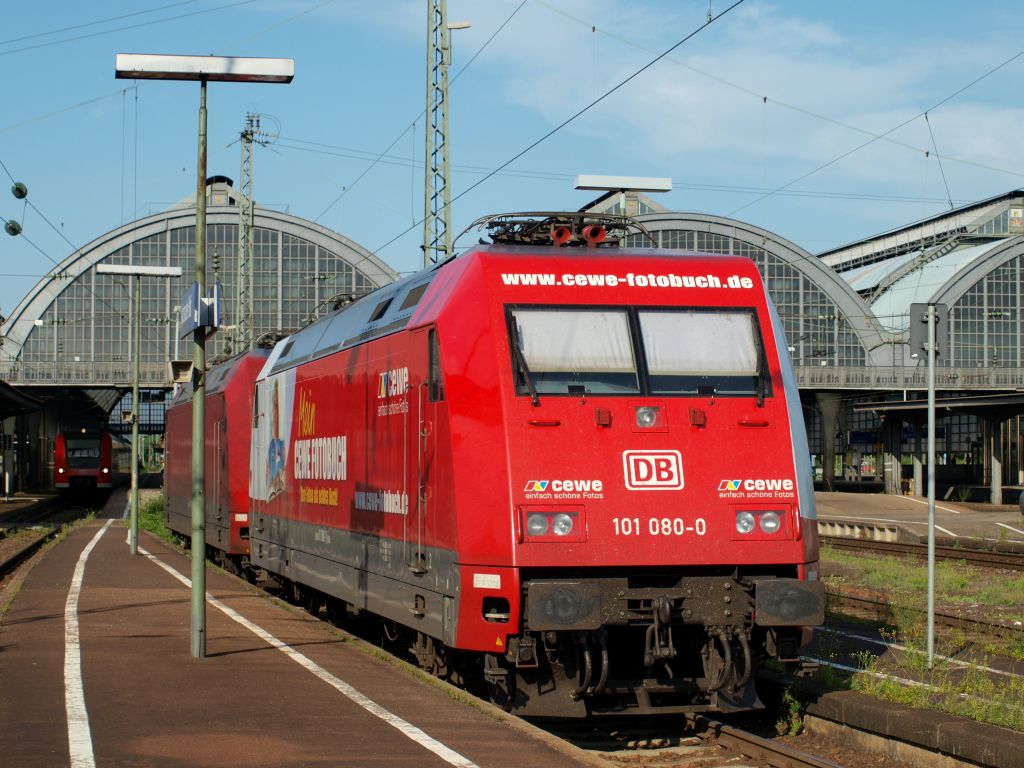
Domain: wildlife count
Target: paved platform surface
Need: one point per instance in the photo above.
(110, 681)
(953, 520)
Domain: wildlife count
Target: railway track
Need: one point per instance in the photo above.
(23, 550)
(768, 751)
(47, 517)
(984, 557)
(669, 743)
(883, 610)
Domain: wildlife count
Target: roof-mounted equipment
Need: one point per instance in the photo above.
(559, 228)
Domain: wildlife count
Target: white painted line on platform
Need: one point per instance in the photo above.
(946, 531)
(925, 501)
(79, 733)
(1011, 528)
(407, 729)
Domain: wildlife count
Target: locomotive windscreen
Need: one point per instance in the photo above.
(83, 452)
(560, 350)
(591, 348)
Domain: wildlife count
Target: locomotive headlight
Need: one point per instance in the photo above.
(106, 471)
(647, 416)
(745, 522)
(537, 524)
(60, 470)
(562, 524)
(770, 522)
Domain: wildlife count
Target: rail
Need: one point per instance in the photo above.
(883, 610)
(1010, 559)
(756, 747)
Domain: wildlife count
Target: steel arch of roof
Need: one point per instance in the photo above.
(848, 301)
(44, 293)
(953, 289)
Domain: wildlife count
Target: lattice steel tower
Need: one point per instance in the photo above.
(243, 279)
(437, 217)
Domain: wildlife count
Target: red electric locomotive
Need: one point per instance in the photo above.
(87, 458)
(578, 476)
(228, 401)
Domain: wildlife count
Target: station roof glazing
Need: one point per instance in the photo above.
(892, 306)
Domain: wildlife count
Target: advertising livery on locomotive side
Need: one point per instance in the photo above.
(574, 476)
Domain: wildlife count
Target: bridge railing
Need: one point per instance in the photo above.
(107, 374)
(888, 378)
(157, 375)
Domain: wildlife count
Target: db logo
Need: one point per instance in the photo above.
(653, 470)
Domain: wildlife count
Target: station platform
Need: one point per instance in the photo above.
(886, 517)
(96, 669)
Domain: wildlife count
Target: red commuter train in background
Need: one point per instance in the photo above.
(89, 458)
(573, 477)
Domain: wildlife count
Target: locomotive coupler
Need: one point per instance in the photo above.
(658, 643)
(522, 651)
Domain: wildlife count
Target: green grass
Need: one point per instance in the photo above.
(151, 517)
(955, 580)
(970, 693)
(948, 687)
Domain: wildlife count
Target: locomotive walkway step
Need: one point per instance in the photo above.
(95, 664)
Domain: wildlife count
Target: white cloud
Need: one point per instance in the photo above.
(552, 65)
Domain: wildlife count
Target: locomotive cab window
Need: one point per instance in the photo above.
(83, 453)
(686, 352)
(572, 351)
(698, 352)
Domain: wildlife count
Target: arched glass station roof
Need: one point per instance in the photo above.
(75, 326)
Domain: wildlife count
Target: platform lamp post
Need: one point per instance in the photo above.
(138, 272)
(204, 69)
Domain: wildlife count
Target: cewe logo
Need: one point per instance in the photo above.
(653, 470)
(392, 383)
(729, 485)
(536, 486)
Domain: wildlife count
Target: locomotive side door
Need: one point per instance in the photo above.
(424, 393)
(257, 469)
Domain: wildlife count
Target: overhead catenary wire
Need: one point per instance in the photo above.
(278, 24)
(938, 159)
(871, 141)
(127, 27)
(62, 110)
(348, 187)
(765, 99)
(95, 23)
(570, 119)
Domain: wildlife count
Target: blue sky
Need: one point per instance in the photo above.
(783, 98)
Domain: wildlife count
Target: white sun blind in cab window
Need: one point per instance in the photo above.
(700, 343)
(558, 340)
